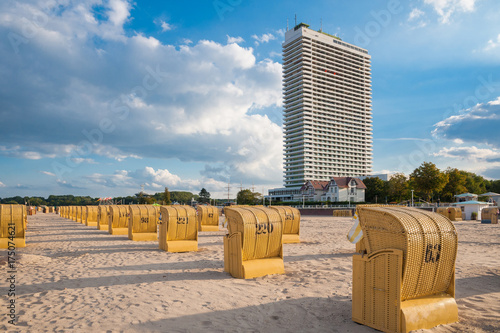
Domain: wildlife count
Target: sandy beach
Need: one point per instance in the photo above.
(71, 277)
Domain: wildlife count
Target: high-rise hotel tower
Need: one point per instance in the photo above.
(327, 107)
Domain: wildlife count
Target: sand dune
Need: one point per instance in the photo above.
(76, 278)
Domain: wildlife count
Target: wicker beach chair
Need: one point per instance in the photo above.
(78, 214)
(291, 223)
(406, 279)
(143, 223)
(445, 211)
(342, 213)
(254, 245)
(118, 219)
(178, 229)
(103, 217)
(489, 215)
(13, 220)
(208, 218)
(91, 216)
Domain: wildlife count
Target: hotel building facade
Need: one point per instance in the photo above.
(327, 109)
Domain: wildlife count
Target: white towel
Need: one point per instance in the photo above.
(355, 234)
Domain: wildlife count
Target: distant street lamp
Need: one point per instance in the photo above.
(412, 198)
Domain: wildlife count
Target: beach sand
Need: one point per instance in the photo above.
(76, 278)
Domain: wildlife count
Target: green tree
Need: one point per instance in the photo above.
(166, 197)
(398, 187)
(181, 197)
(428, 179)
(247, 197)
(456, 184)
(494, 186)
(204, 196)
(376, 190)
(474, 183)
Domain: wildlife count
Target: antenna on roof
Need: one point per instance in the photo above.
(287, 24)
(295, 19)
(321, 25)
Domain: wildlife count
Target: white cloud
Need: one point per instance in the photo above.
(415, 14)
(165, 26)
(207, 102)
(445, 8)
(236, 40)
(416, 19)
(162, 176)
(492, 44)
(472, 153)
(186, 41)
(265, 38)
(155, 180)
(119, 11)
(120, 178)
(79, 160)
(2, 185)
(48, 173)
(281, 32)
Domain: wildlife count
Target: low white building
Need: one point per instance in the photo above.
(466, 197)
(337, 189)
(468, 207)
(494, 198)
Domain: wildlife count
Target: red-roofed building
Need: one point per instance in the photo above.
(337, 189)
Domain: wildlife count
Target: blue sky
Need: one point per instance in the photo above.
(98, 97)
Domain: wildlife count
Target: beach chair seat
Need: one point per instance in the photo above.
(118, 219)
(178, 229)
(103, 217)
(455, 213)
(405, 279)
(143, 223)
(445, 211)
(254, 245)
(13, 220)
(208, 218)
(291, 223)
(91, 216)
(78, 214)
(489, 215)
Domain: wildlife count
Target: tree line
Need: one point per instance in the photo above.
(429, 184)
(166, 198)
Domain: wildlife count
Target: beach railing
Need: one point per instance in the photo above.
(13, 220)
(118, 219)
(91, 216)
(208, 218)
(291, 223)
(178, 229)
(254, 245)
(406, 279)
(143, 222)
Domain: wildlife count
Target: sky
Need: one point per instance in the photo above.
(100, 97)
